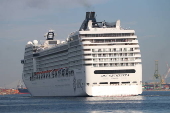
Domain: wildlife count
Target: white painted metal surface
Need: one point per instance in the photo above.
(94, 61)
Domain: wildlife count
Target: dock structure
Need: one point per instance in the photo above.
(8, 91)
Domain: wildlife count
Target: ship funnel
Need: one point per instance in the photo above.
(89, 16)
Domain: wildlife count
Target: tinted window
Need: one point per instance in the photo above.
(114, 71)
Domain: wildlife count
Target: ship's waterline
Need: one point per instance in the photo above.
(100, 59)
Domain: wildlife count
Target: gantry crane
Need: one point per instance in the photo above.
(156, 74)
(165, 75)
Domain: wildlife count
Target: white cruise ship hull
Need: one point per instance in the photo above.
(77, 85)
(100, 59)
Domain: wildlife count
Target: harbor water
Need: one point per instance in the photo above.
(148, 102)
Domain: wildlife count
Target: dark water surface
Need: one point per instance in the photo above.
(148, 102)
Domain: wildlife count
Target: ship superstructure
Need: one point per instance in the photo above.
(100, 59)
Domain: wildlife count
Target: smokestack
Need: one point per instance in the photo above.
(87, 14)
(90, 15)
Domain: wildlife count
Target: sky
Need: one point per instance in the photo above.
(26, 20)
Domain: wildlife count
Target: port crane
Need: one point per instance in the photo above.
(166, 75)
(156, 74)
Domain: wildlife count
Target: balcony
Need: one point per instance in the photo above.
(109, 41)
(138, 60)
(102, 65)
(135, 41)
(86, 52)
(138, 55)
(86, 42)
(86, 57)
(137, 51)
(88, 62)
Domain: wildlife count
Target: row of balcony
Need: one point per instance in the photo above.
(115, 61)
(112, 56)
(113, 65)
(122, 51)
(101, 42)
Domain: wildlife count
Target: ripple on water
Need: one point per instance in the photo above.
(147, 102)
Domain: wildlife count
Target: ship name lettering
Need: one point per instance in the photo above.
(103, 75)
(115, 75)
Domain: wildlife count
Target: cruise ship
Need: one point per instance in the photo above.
(100, 59)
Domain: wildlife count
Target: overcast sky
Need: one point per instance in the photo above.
(25, 20)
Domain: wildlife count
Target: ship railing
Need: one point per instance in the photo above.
(91, 42)
(115, 56)
(113, 65)
(114, 50)
(100, 35)
(114, 60)
(47, 48)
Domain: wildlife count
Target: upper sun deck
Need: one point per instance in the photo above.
(90, 22)
(90, 26)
